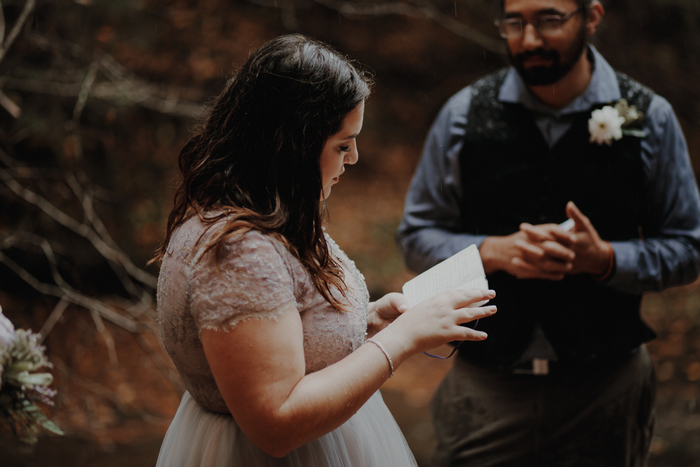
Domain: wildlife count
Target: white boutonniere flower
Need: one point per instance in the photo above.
(612, 122)
(605, 125)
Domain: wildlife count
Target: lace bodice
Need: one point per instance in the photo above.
(256, 278)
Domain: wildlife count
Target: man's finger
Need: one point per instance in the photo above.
(529, 249)
(557, 251)
(545, 263)
(535, 233)
(545, 232)
(582, 222)
(525, 270)
(543, 251)
(564, 237)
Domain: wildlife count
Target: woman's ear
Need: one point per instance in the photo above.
(594, 16)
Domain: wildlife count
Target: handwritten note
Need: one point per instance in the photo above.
(463, 270)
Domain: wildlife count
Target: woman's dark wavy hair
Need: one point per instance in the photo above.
(256, 155)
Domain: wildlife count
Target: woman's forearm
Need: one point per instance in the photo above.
(259, 369)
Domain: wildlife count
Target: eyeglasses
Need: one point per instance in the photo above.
(545, 25)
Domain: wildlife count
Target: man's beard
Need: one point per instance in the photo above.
(544, 75)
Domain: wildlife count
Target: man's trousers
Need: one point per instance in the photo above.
(598, 415)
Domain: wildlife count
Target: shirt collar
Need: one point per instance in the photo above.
(603, 88)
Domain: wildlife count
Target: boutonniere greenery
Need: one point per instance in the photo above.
(613, 121)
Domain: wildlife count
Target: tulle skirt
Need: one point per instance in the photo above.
(199, 438)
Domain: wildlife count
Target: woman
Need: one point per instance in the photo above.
(264, 316)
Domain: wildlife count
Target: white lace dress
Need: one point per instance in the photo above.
(258, 277)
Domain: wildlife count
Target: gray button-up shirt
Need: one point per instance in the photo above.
(430, 230)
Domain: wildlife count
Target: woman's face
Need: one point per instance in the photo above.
(341, 149)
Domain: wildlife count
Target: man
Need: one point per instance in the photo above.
(563, 379)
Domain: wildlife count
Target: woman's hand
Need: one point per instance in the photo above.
(435, 322)
(259, 366)
(384, 311)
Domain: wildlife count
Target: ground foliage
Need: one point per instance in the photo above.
(100, 95)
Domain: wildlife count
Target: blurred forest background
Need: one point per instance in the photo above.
(98, 96)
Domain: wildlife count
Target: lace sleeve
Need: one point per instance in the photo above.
(252, 281)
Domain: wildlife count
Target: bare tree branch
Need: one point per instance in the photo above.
(7, 103)
(53, 318)
(80, 105)
(146, 96)
(106, 248)
(88, 210)
(90, 228)
(109, 341)
(85, 90)
(7, 43)
(2, 26)
(460, 29)
(118, 83)
(70, 295)
(416, 8)
(64, 291)
(411, 8)
(97, 319)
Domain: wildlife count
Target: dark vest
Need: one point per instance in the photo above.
(510, 175)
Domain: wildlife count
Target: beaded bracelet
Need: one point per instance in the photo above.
(386, 354)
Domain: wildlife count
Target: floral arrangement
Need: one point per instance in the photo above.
(612, 122)
(21, 355)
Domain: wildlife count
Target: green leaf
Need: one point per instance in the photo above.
(52, 427)
(19, 367)
(637, 133)
(35, 379)
(31, 408)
